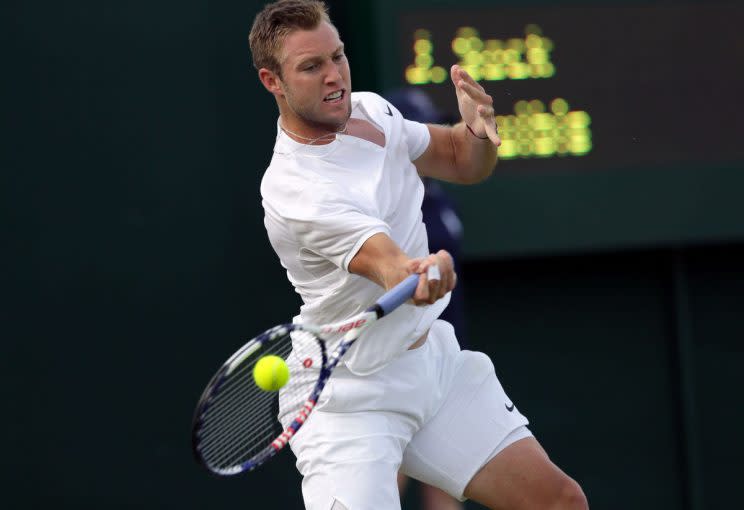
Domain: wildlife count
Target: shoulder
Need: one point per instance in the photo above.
(296, 192)
(284, 182)
(386, 116)
(379, 109)
(370, 101)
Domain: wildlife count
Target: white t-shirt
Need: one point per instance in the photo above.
(322, 202)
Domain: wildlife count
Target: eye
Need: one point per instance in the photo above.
(339, 57)
(311, 67)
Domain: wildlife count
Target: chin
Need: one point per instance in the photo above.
(347, 113)
(338, 121)
(328, 120)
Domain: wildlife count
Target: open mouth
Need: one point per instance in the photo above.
(334, 97)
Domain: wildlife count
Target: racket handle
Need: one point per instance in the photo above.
(398, 295)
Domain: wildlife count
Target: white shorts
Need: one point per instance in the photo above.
(436, 413)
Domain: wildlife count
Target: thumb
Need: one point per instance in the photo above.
(413, 265)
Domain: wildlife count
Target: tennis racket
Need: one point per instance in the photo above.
(235, 426)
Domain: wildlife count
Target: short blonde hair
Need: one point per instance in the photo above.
(277, 20)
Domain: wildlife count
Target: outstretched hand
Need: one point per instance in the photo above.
(476, 107)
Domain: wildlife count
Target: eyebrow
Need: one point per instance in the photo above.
(313, 58)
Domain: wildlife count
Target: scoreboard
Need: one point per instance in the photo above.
(610, 86)
(593, 100)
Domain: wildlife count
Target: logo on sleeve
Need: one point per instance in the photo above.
(388, 112)
(508, 407)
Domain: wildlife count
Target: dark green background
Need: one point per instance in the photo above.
(134, 139)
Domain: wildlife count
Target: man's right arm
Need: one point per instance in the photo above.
(382, 261)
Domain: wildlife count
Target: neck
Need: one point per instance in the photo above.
(326, 136)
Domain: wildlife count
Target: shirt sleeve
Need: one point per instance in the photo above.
(417, 138)
(335, 228)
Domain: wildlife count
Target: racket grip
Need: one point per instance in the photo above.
(398, 295)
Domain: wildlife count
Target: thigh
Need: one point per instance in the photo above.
(350, 459)
(521, 476)
(350, 449)
(352, 486)
(474, 421)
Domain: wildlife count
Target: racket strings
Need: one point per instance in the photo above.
(229, 454)
(234, 388)
(239, 411)
(240, 420)
(230, 423)
(238, 427)
(240, 381)
(237, 444)
(234, 453)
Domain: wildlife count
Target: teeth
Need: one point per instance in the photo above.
(335, 95)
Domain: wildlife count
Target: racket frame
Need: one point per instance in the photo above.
(351, 328)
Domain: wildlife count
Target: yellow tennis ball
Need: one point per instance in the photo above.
(271, 373)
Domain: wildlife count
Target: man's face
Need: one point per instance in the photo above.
(316, 81)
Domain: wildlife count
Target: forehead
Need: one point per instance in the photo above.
(302, 44)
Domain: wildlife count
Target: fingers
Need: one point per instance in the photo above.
(437, 278)
(457, 73)
(476, 106)
(489, 123)
(413, 265)
(486, 112)
(475, 92)
(456, 76)
(434, 281)
(464, 82)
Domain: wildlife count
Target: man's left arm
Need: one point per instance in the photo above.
(467, 152)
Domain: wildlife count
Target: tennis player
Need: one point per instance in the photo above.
(342, 200)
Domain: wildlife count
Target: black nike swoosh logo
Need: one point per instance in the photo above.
(510, 409)
(388, 112)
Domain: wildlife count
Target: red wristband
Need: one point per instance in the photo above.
(473, 133)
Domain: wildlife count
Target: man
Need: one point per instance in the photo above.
(342, 199)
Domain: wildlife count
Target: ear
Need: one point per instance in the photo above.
(270, 81)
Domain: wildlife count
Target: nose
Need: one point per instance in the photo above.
(333, 75)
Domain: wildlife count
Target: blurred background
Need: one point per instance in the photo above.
(603, 261)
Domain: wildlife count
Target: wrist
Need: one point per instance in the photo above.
(473, 133)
